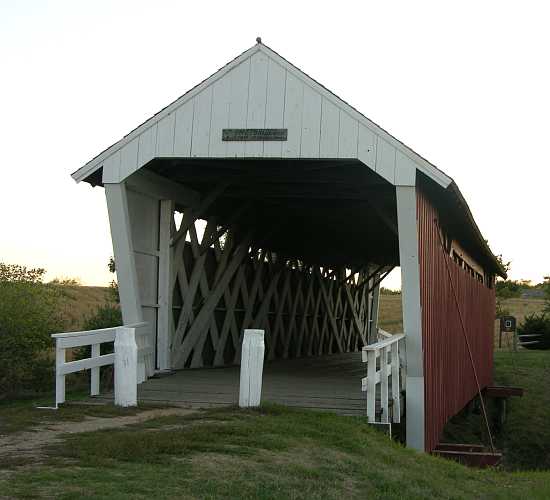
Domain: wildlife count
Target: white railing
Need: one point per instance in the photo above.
(383, 376)
(129, 367)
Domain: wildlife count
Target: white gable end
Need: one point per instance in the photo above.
(260, 89)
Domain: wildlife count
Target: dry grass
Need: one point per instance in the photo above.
(391, 318)
(80, 302)
(390, 314)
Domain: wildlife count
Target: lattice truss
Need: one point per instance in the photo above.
(222, 285)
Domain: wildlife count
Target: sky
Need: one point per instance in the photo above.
(465, 84)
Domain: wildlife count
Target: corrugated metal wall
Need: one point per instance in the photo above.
(448, 373)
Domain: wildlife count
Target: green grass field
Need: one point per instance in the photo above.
(277, 452)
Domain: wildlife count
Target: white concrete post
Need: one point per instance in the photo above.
(252, 365)
(94, 377)
(59, 379)
(126, 354)
(412, 324)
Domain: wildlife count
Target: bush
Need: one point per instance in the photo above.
(508, 289)
(536, 324)
(29, 314)
(105, 316)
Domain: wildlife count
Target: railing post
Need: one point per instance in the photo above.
(384, 399)
(94, 377)
(371, 386)
(395, 382)
(125, 367)
(59, 377)
(252, 364)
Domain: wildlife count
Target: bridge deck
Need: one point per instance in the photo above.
(330, 383)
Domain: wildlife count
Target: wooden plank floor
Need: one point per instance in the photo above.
(331, 383)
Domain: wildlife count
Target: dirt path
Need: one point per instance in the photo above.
(29, 444)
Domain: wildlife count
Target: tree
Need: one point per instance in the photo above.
(113, 285)
(29, 314)
(499, 287)
(546, 286)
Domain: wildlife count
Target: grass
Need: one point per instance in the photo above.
(391, 318)
(23, 415)
(390, 313)
(79, 302)
(525, 437)
(271, 453)
(277, 452)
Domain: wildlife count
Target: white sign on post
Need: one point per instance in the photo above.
(252, 365)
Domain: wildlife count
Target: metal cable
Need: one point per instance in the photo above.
(466, 339)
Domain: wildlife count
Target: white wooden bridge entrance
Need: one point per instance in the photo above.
(261, 200)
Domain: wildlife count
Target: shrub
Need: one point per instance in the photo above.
(536, 324)
(508, 289)
(29, 314)
(105, 316)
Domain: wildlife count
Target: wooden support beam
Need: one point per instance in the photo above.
(412, 324)
(165, 286)
(198, 210)
(205, 314)
(151, 184)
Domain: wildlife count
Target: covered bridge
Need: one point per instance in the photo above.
(259, 199)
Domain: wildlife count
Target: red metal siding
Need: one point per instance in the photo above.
(448, 374)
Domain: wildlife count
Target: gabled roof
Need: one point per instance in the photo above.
(261, 89)
(408, 154)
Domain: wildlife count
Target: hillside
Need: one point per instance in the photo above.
(80, 302)
(391, 313)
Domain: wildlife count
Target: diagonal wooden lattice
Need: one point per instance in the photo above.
(222, 285)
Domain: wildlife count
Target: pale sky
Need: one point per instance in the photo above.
(465, 84)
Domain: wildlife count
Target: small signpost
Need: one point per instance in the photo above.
(507, 325)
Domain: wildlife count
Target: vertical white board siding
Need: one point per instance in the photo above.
(238, 105)
(330, 130)
(165, 135)
(147, 145)
(347, 138)
(257, 91)
(150, 316)
(405, 170)
(221, 92)
(294, 100)
(184, 129)
(275, 106)
(111, 168)
(144, 221)
(201, 123)
(147, 276)
(311, 123)
(366, 148)
(129, 158)
(385, 160)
